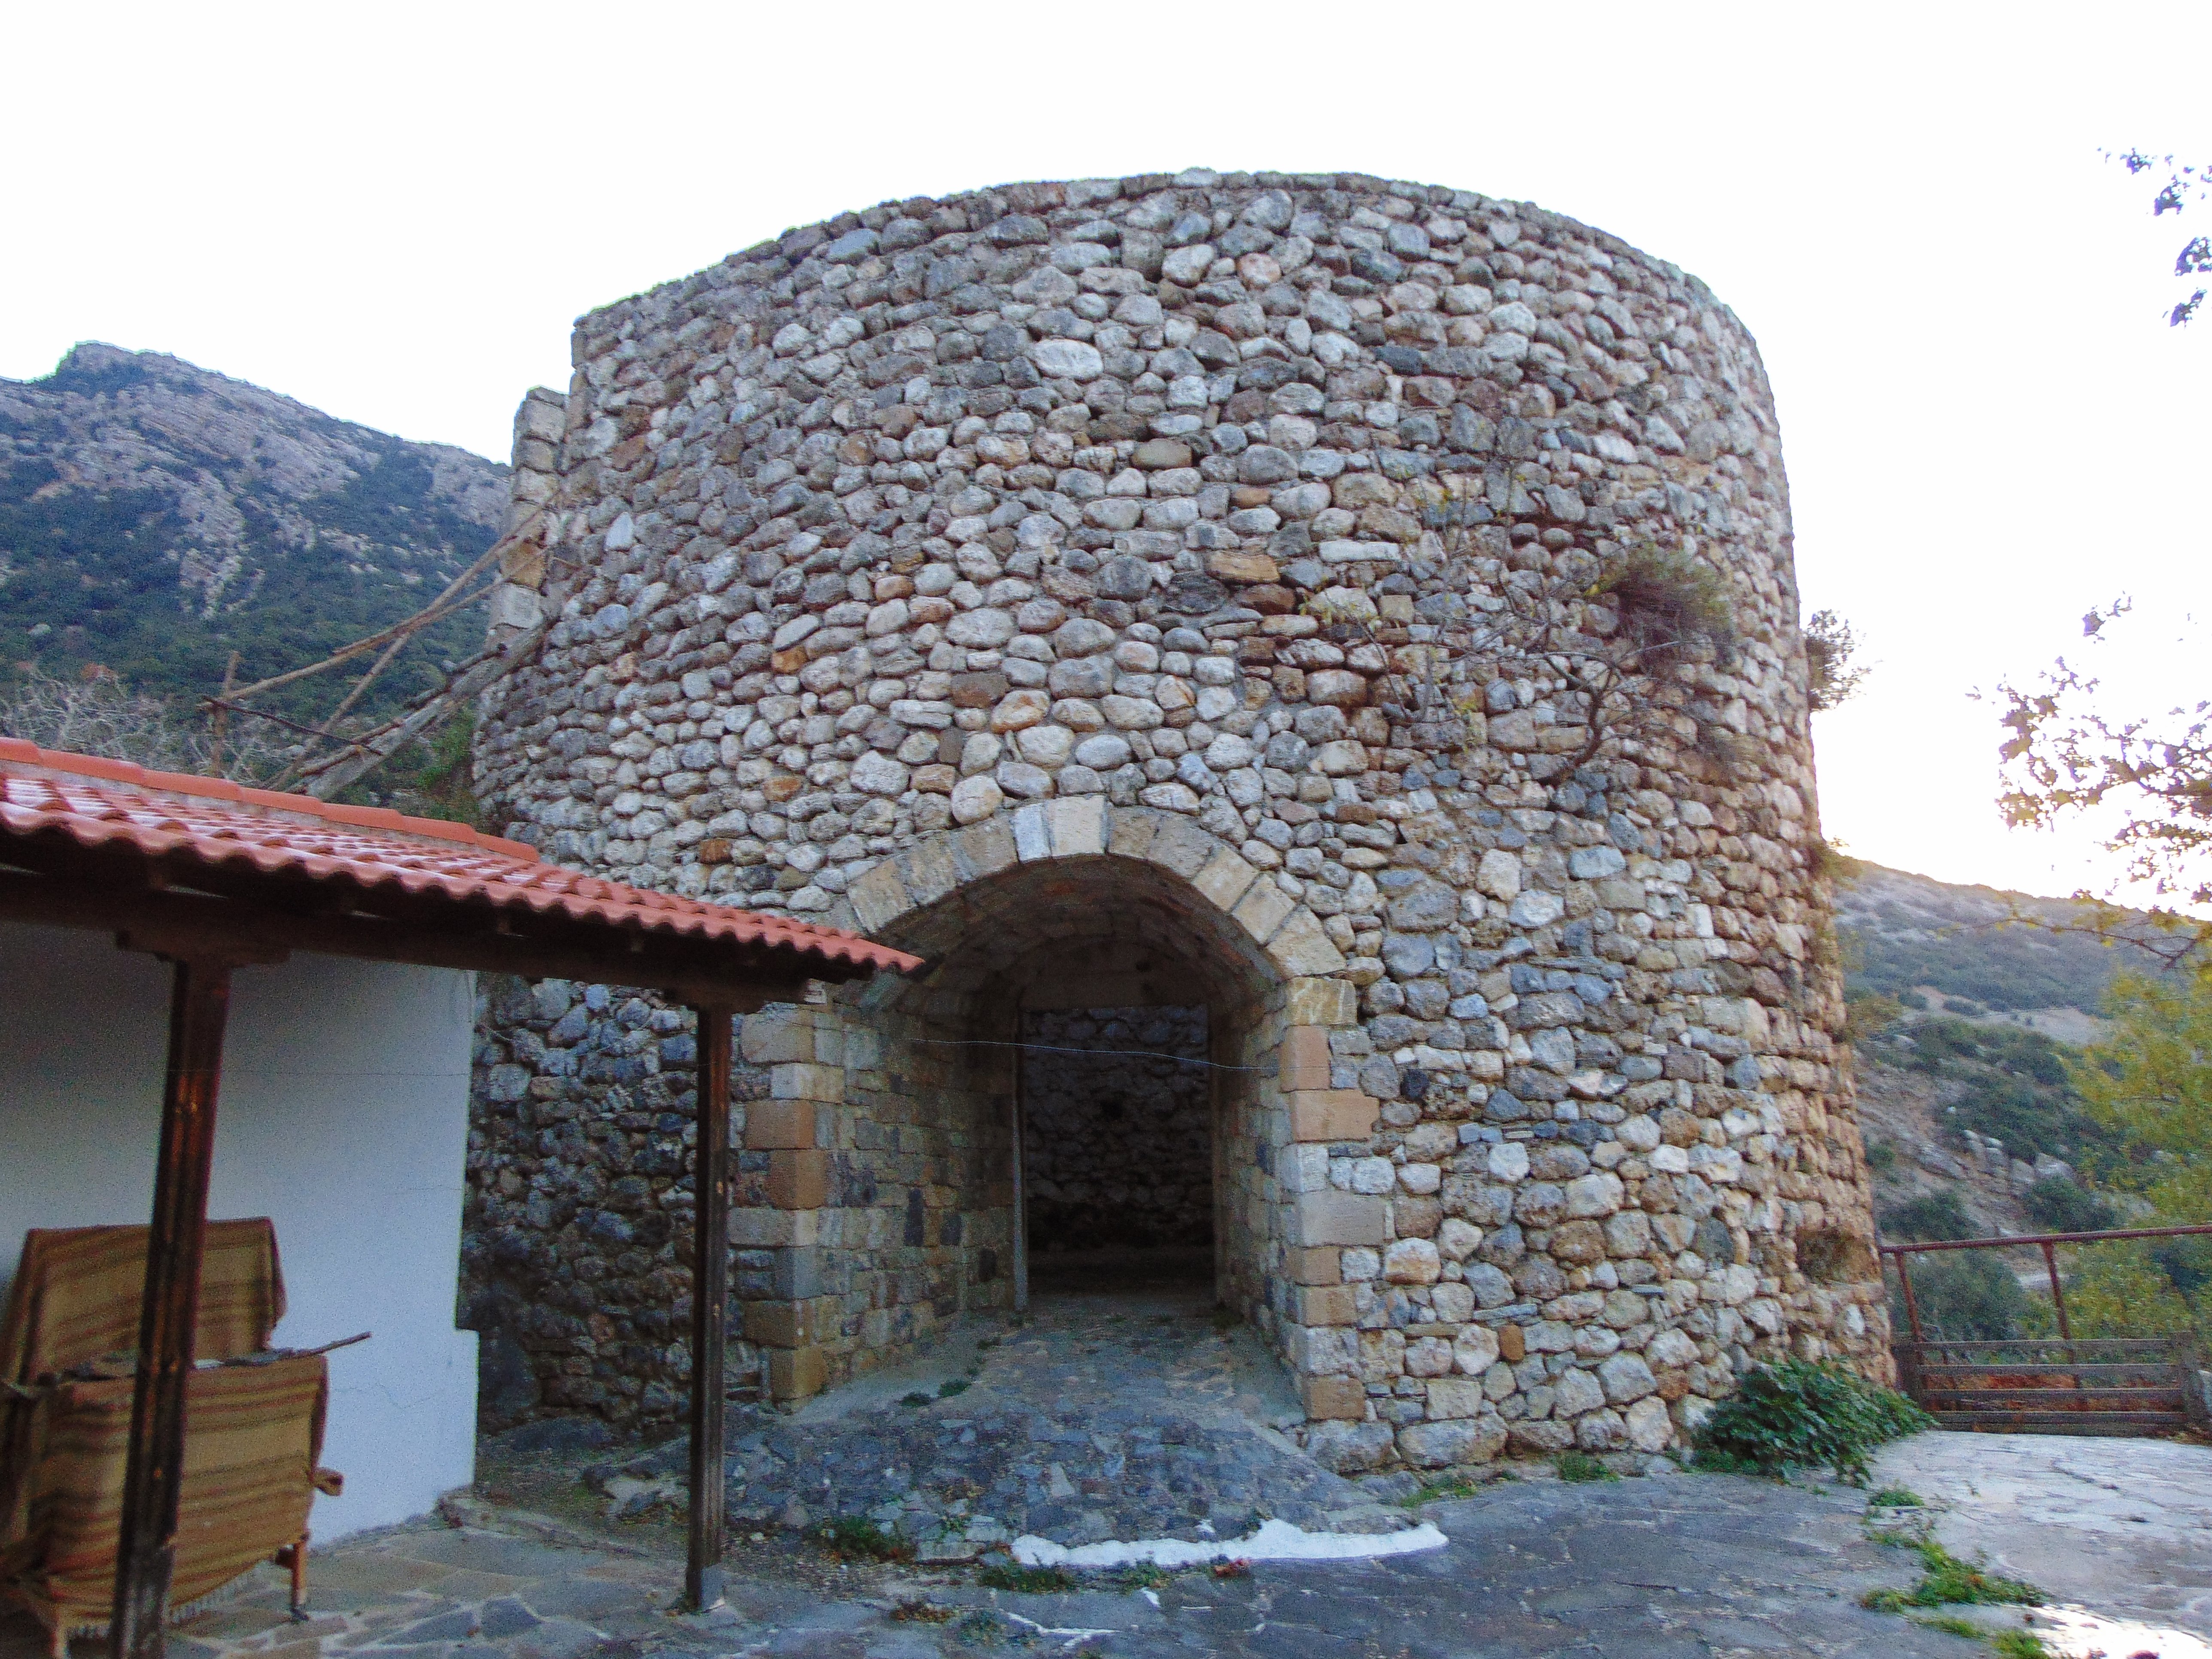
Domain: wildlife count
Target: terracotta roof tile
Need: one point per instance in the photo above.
(104, 803)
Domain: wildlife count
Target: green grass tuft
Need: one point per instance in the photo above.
(1031, 1581)
(1581, 1466)
(856, 1538)
(1950, 1625)
(1444, 1491)
(1947, 1582)
(1896, 1498)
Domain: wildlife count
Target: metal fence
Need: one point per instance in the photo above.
(2069, 1385)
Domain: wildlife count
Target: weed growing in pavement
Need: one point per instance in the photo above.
(1952, 1627)
(921, 1612)
(980, 1629)
(1581, 1466)
(2020, 1644)
(1896, 1498)
(1946, 1580)
(1438, 1492)
(1144, 1575)
(856, 1538)
(1031, 1581)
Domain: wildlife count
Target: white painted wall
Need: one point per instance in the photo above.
(344, 1116)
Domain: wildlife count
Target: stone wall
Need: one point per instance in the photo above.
(1118, 1142)
(1039, 580)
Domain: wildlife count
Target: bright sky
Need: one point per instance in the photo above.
(394, 212)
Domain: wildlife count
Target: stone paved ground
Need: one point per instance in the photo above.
(2123, 1526)
(1645, 1568)
(1654, 1566)
(1130, 1416)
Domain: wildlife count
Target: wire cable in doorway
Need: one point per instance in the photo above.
(1055, 1049)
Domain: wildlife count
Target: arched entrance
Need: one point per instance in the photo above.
(1064, 988)
(882, 1171)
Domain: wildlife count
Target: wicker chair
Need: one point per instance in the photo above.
(254, 1424)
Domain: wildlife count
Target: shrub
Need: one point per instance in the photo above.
(2122, 1290)
(1970, 1296)
(2059, 1206)
(1807, 1412)
(1930, 1216)
(1868, 1014)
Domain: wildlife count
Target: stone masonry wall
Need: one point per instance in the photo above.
(1038, 513)
(1119, 1146)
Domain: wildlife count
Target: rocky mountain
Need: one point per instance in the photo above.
(155, 517)
(1963, 1095)
(1996, 952)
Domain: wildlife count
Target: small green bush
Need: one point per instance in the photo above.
(2057, 1205)
(1809, 1413)
(1967, 1296)
(1930, 1216)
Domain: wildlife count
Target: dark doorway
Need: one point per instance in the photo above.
(1117, 1110)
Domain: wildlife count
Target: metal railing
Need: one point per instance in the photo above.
(2049, 1243)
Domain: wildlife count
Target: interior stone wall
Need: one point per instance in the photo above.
(1119, 1145)
(1097, 527)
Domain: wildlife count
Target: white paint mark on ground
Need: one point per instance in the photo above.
(2077, 1633)
(1275, 1541)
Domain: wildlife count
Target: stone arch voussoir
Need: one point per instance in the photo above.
(1285, 931)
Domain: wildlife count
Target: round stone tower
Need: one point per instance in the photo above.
(1343, 629)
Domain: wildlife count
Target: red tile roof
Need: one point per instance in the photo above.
(105, 803)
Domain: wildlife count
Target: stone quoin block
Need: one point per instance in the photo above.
(799, 1180)
(1330, 1114)
(1303, 1058)
(1333, 1397)
(778, 1125)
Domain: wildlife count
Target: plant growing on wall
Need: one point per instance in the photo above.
(1602, 640)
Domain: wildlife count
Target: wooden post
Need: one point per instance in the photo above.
(710, 1303)
(146, 1553)
(1020, 1241)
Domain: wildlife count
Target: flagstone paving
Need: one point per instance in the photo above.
(1653, 1568)
(1660, 1566)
